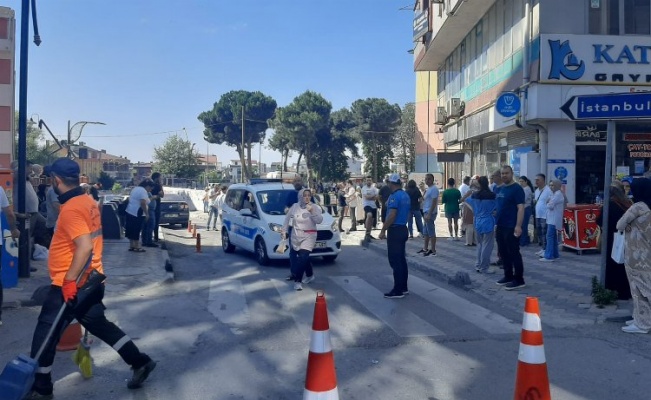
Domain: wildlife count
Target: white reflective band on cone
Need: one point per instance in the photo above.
(531, 322)
(320, 342)
(531, 354)
(329, 395)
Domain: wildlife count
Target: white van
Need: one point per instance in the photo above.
(253, 215)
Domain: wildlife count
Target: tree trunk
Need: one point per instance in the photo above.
(249, 170)
(285, 157)
(298, 163)
(308, 164)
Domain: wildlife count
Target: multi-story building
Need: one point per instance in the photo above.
(544, 52)
(7, 85)
(92, 162)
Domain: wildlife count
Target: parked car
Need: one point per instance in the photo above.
(174, 211)
(253, 215)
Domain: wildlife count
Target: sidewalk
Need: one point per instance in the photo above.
(121, 266)
(562, 287)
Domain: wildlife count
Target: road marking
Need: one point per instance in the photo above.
(227, 302)
(477, 315)
(395, 315)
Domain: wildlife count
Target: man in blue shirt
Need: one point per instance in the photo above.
(510, 213)
(394, 229)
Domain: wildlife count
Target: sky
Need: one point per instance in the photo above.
(148, 68)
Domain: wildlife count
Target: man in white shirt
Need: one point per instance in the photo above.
(15, 233)
(540, 198)
(465, 186)
(555, 207)
(219, 204)
(369, 196)
(213, 211)
(430, 210)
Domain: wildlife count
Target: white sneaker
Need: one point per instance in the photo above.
(308, 279)
(629, 322)
(540, 253)
(298, 286)
(632, 328)
(543, 259)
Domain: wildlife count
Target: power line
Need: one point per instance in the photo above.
(170, 131)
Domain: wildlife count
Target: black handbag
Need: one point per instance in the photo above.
(90, 293)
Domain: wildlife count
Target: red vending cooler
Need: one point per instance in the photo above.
(580, 229)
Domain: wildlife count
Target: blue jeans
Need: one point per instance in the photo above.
(541, 230)
(148, 228)
(551, 250)
(485, 244)
(415, 214)
(524, 238)
(396, 242)
(213, 213)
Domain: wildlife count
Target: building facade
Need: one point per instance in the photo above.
(7, 85)
(545, 53)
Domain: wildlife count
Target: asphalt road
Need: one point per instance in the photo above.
(230, 329)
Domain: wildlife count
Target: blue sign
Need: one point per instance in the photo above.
(508, 104)
(609, 106)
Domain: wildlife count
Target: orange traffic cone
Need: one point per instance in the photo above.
(320, 379)
(189, 226)
(531, 380)
(70, 338)
(194, 230)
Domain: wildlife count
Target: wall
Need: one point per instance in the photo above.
(564, 16)
(7, 84)
(426, 103)
(561, 156)
(192, 196)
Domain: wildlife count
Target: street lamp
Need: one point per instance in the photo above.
(77, 136)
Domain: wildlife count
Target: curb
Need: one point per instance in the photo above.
(169, 268)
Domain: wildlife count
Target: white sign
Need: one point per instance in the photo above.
(595, 59)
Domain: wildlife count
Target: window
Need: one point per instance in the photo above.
(518, 24)
(619, 17)
(508, 24)
(234, 199)
(273, 202)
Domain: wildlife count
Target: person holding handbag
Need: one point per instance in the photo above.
(636, 225)
(616, 278)
(304, 216)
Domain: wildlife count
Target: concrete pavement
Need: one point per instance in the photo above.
(562, 287)
(120, 265)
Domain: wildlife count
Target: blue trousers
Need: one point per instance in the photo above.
(396, 242)
(551, 249)
(148, 228)
(415, 214)
(524, 238)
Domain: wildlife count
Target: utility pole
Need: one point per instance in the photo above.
(243, 155)
(375, 174)
(23, 223)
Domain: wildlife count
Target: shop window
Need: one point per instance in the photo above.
(637, 17)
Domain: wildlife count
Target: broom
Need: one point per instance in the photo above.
(82, 357)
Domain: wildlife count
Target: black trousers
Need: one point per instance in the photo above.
(508, 247)
(93, 319)
(157, 221)
(396, 241)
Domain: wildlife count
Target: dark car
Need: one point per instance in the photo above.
(174, 211)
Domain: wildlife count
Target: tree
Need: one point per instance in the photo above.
(302, 122)
(37, 153)
(223, 124)
(106, 180)
(177, 156)
(280, 140)
(377, 122)
(406, 138)
(330, 156)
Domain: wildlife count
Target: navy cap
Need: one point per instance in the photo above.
(65, 167)
(47, 170)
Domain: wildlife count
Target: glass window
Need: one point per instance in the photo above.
(604, 20)
(234, 199)
(518, 24)
(499, 32)
(273, 202)
(490, 28)
(637, 17)
(508, 24)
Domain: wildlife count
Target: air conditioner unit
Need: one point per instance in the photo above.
(454, 108)
(441, 116)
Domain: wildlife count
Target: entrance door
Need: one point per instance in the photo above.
(590, 170)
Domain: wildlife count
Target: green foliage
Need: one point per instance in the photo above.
(331, 158)
(406, 138)
(377, 122)
(177, 157)
(223, 124)
(116, 187)
(36, 151)
(106, 180)
(304, 126)
(602, 296)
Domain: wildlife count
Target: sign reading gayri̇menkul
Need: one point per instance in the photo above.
(595, 59)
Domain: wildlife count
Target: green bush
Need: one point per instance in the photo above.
(116, 187)
(602, 296)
